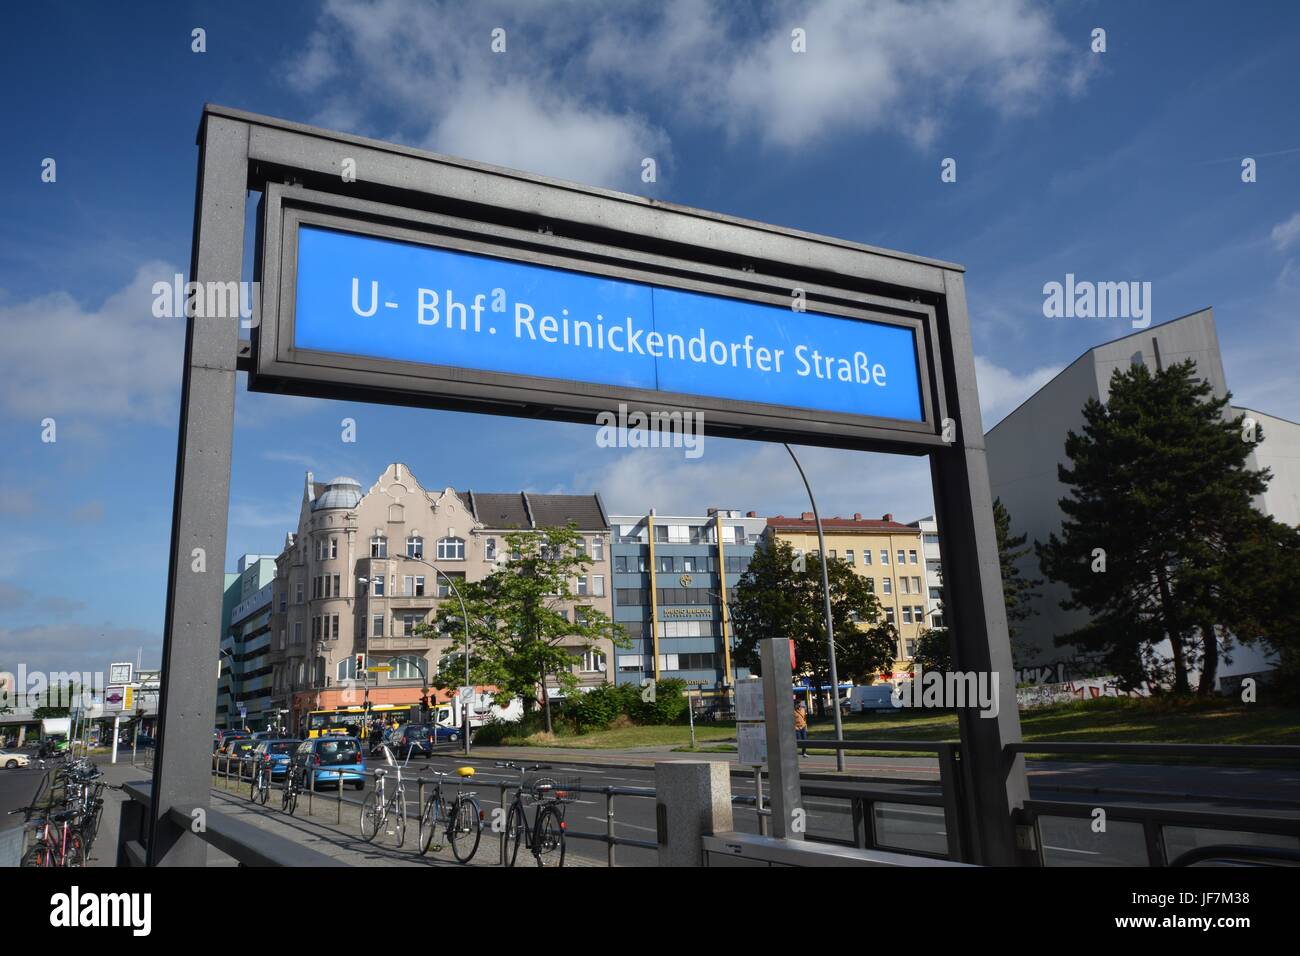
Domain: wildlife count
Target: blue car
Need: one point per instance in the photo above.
(333, 760)
(277, 753)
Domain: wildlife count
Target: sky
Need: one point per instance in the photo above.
(1122, 165)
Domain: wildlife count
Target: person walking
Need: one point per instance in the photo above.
(801, 727)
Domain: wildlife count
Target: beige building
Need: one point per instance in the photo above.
(353, 580)
(889, 554)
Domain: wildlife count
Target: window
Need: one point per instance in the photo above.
(889, 615)
(415, 546)
(451, 549)
(379, 546)
(598, 585)
(377, 582)
(665, 564)
(490, 549)
(848, 556)
(620, 564)
(377, 626)
(916, 585)
(907, 612)
(406, 668)
(598, 549)
(336, 627)
(831, 552)
(866, 556)
(871, 585)
(593, 661)
(419, 585)
(884, 556)
(280, 643)
(444, 589)
(903, 585)
(582, 585)
(936, 621)
(346, 669)
(918, 615)
(298, 593)
(297, 632)
(909, 647)
(887, 585)
(688, 563)
(902, 558)
(408, 624)
(911, 557)
(936, 594)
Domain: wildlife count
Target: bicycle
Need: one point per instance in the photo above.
(293, 785)
(462, 824)
(550, 792)
(61, 847)
(260, 789)
(376, 809)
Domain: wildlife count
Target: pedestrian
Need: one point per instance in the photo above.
(801, 727)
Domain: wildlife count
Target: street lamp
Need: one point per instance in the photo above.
(830, 632)
(464, 617)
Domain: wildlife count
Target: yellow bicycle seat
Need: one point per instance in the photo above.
(464, 771)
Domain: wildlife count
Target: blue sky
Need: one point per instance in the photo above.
(1116, 166)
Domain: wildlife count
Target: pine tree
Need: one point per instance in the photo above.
(1159, 510)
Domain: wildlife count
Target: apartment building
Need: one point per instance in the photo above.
(673, 578)
(357, 576)
(929, 529)
(888, 553)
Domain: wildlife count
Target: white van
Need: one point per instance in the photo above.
(870, 697)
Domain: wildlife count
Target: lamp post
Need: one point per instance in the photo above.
(830, 632)
(464, 617)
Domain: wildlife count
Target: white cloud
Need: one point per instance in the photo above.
(116, 361)
(557, 101)
(1284, 234)
(73, 647)
(750, 476)
(1001, 390)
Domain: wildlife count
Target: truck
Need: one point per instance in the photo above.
(483, 710)
(54, 734)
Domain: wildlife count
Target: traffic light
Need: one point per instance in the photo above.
(361, 664)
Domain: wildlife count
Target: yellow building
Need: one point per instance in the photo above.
(890, 555)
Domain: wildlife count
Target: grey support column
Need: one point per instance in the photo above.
(692, 801)
(784, 798)
(192, 631)
(973, 606)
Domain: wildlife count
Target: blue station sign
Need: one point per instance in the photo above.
(390, 299)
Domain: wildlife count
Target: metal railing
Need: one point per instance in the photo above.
(611, 840)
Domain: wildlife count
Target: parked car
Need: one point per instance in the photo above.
(871, 697)
(333, 760)
(419, 739)
(278, 753)
(222, 736)
(13, 759)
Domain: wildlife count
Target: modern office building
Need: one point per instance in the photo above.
(244, 690)
(886, 552)
(357, 576)
(673, 578)
(1025, 448)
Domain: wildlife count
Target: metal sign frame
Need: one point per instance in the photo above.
(400, 188)
(281, 367)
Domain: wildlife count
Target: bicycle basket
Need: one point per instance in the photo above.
(549, 785)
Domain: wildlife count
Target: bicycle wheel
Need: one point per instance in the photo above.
(429, 821)
(463, 830)
(372, 816)
(548, 841)
(38, 854)
(264, 789)
(291, 797)
(516, 832)
(256, 787)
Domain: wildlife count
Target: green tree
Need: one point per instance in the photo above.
(525, 621)
(780, 595)
(1159, 510)
(933, 652)
(1017, 590)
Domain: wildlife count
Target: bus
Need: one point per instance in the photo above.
(355, 721)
